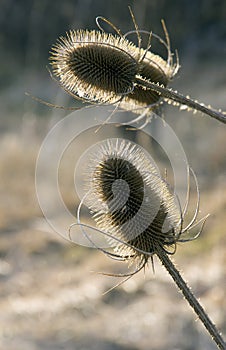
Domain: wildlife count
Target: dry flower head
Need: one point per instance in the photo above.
(132, 205)
(99, 67)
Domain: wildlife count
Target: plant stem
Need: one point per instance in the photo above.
(189, 296)
(177, 97)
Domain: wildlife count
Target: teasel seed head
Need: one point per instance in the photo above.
(95, 66)
(130, 201)
(102, 68)
(151, 68)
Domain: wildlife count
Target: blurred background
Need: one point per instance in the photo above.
(49, 296)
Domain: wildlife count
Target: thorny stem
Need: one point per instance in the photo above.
(177, 97)
(189, 296)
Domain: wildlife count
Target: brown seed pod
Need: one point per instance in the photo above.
(130, 202)
(102, 68)
(153, 68)
(97, 67)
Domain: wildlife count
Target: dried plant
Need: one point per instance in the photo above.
(99, 67)
(133, 207)
(136, 211)
(130, 200)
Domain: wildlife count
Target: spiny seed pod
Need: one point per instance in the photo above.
(104, 68)
(95, 66)
(130, 201)
(153, 68)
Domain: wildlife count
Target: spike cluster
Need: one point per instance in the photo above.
(95, 66)
(129, 200)
(104, 68)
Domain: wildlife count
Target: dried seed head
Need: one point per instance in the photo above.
(129, 200)
(95, 66)
(151, 68)
(102, 68)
